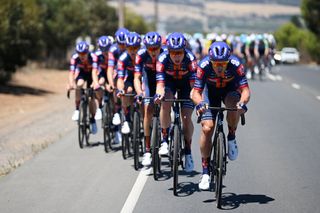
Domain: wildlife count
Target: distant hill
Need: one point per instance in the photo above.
(218, 16)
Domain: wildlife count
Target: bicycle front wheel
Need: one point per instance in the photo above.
(219, 156)
(176, 158)
(81, 126)
(155, 137)
(106, 127)
(136, 139)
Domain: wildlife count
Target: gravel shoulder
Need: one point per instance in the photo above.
(34, 112)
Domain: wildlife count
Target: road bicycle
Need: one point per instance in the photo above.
(218, 153)
(84, 116)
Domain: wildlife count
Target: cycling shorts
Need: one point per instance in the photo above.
(86, 76)
(214, 96)
(149, 84)
(182, 86)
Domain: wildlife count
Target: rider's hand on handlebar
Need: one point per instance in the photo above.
(157, 98)
(120, 93)
(109, 88)
(201, 107)
(242, 108)
(139, 98)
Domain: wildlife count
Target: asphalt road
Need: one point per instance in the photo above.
(277, 169)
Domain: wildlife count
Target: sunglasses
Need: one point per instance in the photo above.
(153, 49)
(132, 48)
(174, 53)
(220, 63)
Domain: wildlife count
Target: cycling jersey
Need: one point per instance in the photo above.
(262, 45)
(125, 69)
(113, 56)
(146, 66)
(82, 69)
(215, 88)
(100, 63)
(177, 77)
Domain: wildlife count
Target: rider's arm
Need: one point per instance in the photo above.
(110, 69)
(121, 75)
(72, 70)
(243, 85)
(95, 71)
(137, 74)
(196, 92)
(193, 72)
(160, 77)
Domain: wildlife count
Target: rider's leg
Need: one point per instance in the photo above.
(148, 113)
(186, 114)
(231, 100)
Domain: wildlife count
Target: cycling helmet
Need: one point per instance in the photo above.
(176, 41)
(219, 51)
(133, 39)
(121, 35)
(152, 39)
(82, 47)
(104, 43)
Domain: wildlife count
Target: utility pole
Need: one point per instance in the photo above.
(121, 13)
(156, 15)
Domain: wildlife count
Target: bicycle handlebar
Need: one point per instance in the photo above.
(221, 109)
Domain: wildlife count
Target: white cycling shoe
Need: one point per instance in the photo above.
(232, 149)
(189, 166)
(93, 128)
(75, 115)
(163, 149)
(116, 120)
(125, 129)
(146, 161)
(98, 115)
(204, 183)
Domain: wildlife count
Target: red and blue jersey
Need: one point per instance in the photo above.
(125, 66)
(77, 65)
(113, 55)
(167, 69)
(100, 61)
(145, 62)
(233, 76)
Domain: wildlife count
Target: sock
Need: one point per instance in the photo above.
(187, 149)
(147, 140)
(205, 165)
(231, 134)
(165, 134)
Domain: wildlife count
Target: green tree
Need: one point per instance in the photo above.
(311, 14)
(19, 34)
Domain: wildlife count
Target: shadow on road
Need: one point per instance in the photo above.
(22, 90)
(186, 189)
(232, 201)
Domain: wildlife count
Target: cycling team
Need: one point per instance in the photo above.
(166, 68)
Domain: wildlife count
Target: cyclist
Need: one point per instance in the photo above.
(220, 77)
(176, 70)
(145, 67)
(99, 71)
(113, 55)
(261, 50)
(250, 56)
(125, 71)
(80, 72)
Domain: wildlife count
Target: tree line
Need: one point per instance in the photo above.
(43, 30)
(303, 32)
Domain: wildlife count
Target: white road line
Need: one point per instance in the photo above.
(296, 86)
(274, 77)
(318, 97)
(136, 190)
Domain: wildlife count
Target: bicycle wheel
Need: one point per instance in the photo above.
(176, 158)
(81, 126)
(86, 129)
(125, 144)
(155, 148)
(106, 127)
(136, 139)
(219, 155)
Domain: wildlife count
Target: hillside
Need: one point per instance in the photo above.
(226, 16)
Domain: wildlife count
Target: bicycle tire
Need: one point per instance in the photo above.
(86, 128)
(219, 153)
(155, 147)
(80, 126)
(106, 128)
(124, 144)
(176, 158)
(136, 139)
